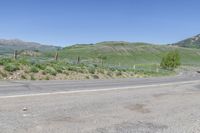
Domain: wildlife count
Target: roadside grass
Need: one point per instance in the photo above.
(62, 69)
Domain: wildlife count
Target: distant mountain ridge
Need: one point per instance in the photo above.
(192, 42)
(8, 46)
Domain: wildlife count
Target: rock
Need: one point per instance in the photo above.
(25, 109)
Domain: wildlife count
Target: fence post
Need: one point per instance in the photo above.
(101, 62)
(134, 67)
(56, 56)
(157, 68)
(15, 54)
(78, 59)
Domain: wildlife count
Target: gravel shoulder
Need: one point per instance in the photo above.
(169, 109)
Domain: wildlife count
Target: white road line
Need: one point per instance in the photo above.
(16, 85)
(98, 90)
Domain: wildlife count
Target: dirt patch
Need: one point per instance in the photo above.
(138, 108)
(160, 95)
(127, 127)
(64, 119)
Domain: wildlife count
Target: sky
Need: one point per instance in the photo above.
(67, 22)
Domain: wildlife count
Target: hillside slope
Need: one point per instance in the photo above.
(8, 46)
(125, 53)
(193, 42)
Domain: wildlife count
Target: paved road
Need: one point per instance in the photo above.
(155, 105)
(23, 88)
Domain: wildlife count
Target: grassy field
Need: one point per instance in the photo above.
(99, 61)
(128, 54)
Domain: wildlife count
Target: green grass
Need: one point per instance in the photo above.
(127, 54)
(50, 69)
(11, 67)
(119, 60)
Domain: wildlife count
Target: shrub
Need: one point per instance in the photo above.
(24, 62)
(95, 76)
(11, 67)
(23, 77)
(32, 77)
(109, 73)
(101, 71)
(91, 70)
(50, 70)
(5, 61)
(58, 68)
(40, 66)
(34, 69)
(47, 78)
(3, 74)
(171, 60)
(118, 73)
(73, 68)
(87, 77)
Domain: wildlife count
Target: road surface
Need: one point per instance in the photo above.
(149, 105)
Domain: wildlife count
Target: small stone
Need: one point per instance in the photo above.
(25, 109)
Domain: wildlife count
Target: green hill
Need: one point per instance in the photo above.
(193, 42)
(127, 54)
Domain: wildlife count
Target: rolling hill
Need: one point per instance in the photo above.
(127, 54)
(113, 52)
(8, 46)
(193, 42)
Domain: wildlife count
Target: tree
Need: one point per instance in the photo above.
(171, 60)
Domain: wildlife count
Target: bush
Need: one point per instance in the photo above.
(50, 70)
(34, 69)
(23, 77)
(58, 68)
(32, 77)
(171, 60)
(11, 67)
(47, 78)
(95, 76)
(118, 73)
(5, 61)
(3, 74)
(40, 66)
(24, 62)
(91, 70)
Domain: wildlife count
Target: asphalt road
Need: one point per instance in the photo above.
(149, 105)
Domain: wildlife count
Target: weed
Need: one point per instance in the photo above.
(32, 77)
(11, 67)
(50, 70)
(23, 77)
(34, 69)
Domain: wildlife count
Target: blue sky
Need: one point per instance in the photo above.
(65, 22)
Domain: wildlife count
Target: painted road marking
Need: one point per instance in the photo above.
(98, 90)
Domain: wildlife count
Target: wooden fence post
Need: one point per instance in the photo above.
(134, 67)
(56, 56)
(78, 59)
(15, 54)
(157, 68)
